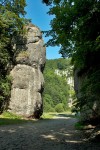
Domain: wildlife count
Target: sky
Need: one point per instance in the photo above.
(37, 12)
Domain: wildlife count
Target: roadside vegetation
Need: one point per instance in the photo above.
(7, 118)
(57, 90)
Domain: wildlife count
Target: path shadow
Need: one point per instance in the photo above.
(52, 134)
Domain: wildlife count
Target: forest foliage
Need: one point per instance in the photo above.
(76, 28)
(11, 25)
(56, 88)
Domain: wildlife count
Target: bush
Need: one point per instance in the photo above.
(59, 107)
(51, 110)
(5, 91)
(48, 108)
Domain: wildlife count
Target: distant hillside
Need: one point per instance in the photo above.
(57, 91)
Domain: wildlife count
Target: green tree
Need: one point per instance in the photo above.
(56, 89)
(11, 25)
(76, 27)
(59, 107)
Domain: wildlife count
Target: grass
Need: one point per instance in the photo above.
(6, 121)
(8, 118)
(47, 115)
(10, 115)
(50, 115)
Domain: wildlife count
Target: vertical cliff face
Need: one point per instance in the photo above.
(28, 81)
(88, 96)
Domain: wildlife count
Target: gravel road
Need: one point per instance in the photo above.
(49, 134)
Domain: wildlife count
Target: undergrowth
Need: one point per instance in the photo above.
(79, 125)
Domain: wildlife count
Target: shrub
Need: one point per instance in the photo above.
(48, 108)
(22, 55)
(59, 107)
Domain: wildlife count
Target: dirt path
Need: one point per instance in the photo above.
(55, 134)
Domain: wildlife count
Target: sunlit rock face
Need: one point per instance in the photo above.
(27, 75)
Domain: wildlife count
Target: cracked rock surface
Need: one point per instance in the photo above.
(27, 75)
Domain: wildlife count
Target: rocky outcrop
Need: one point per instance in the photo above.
(89, 101)
(78, 83)
(28, 81)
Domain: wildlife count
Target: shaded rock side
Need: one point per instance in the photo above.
(28, 81)
(88, 112)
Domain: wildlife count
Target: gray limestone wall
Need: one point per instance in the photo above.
(90, 110)
(27, 75)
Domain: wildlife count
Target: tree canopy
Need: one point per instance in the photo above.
(76, 28)
(56, 89)
(11, 25)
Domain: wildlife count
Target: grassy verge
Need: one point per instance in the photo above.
(47, 115)
(50, 115)
(9, 115)
(8, 118)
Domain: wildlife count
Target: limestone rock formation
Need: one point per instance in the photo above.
(90, 111)
(28, 81)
